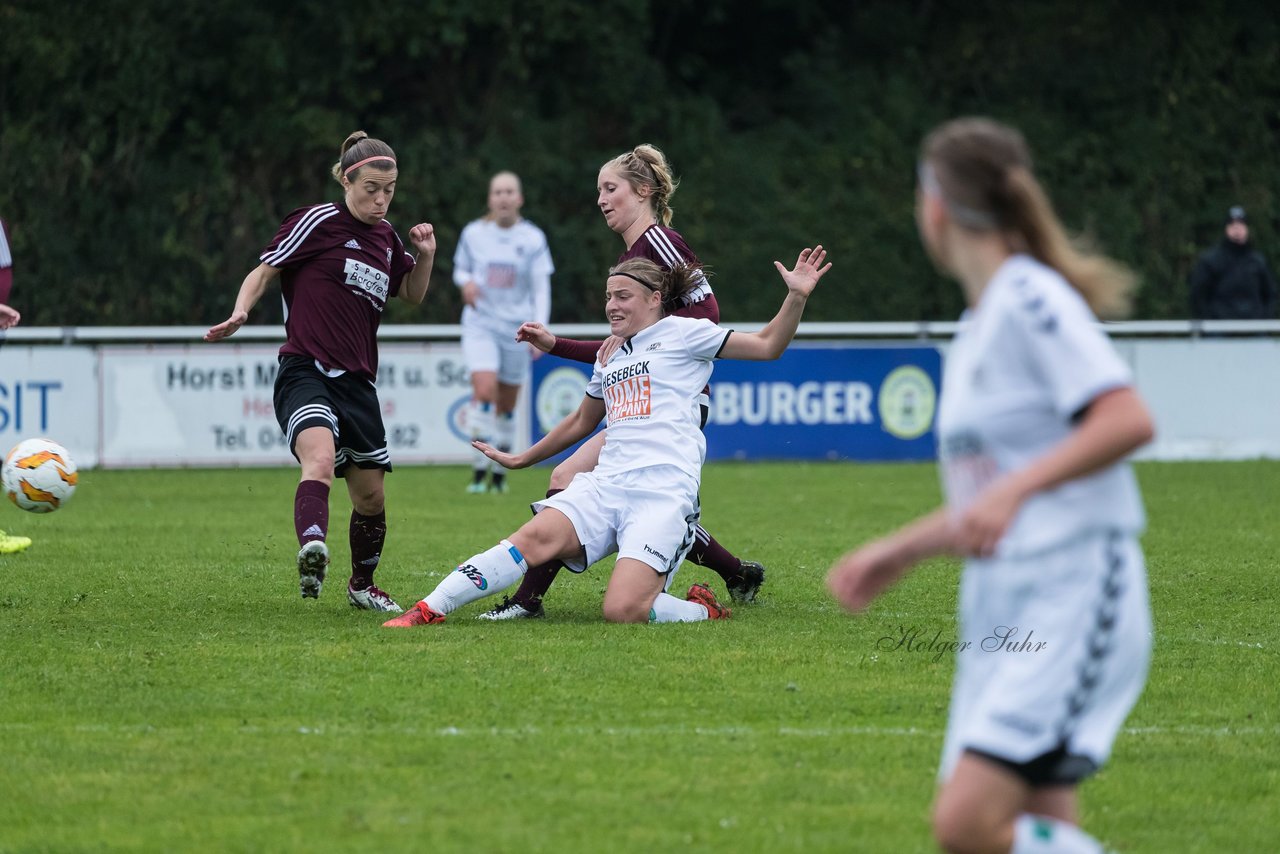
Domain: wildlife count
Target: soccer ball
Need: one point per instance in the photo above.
(39, 475)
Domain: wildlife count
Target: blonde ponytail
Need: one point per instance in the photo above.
(646, 166)
(1106, 285)
(982, 169)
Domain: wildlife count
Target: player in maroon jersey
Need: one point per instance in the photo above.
(634, 194)
(6, 265)
(9, 317)
(338, 264)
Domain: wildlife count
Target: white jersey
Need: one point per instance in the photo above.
(650, 390)
(1024, 363)
(513, 268)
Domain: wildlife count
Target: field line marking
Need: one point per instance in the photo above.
(626, 732)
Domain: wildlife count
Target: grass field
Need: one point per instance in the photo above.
(164, 688)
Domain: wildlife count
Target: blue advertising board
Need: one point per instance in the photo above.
(819, 401)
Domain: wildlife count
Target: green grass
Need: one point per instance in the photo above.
(163, 688)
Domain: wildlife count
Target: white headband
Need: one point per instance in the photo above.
(966, 216)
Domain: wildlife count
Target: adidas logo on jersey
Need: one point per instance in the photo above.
(351, 244)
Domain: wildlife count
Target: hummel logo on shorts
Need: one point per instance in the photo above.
(351, 244)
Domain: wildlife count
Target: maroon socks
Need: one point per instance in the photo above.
(708, 552)
(367, 536)
(311, 511)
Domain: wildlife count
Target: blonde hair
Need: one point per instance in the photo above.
(360, 146)
(672, 284)
(646, 166)
(984, 175)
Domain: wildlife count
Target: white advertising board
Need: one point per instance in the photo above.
(211, 405)
(1212, 398)
(176, 405)
(50, 392)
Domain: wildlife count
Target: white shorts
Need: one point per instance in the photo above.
(1053, 654)
(491, 345)
(648, 514)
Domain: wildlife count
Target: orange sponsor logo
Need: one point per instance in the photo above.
(629, 398)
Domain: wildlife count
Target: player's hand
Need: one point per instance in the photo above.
(471, 294)
(423, 238)
(861, 575)
(608, 348)
(9, 316)
(537, 335)
(228, 327)
(981, 525)
(502, 458)
(803, 278)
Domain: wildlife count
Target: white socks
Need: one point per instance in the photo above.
(478, 577)
(480, 420)
(669, 609)
(504, 434)
(1038, 834)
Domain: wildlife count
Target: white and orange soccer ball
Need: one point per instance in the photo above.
(39, 475)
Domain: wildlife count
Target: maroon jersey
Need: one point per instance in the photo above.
(6, 265)
(666, 248)
(337, 274)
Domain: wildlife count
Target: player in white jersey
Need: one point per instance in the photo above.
(503, 267)
(641, 500)
(634, 196)
(1037, 415)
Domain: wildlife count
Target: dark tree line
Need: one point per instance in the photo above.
(148, 149)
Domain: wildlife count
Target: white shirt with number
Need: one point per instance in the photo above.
(1024, 364)
(512, 266)
(651, 389)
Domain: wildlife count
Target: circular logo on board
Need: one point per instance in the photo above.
(559, 394)
(456, 418)
(907, 402)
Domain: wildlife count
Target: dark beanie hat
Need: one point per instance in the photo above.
(1235, 214)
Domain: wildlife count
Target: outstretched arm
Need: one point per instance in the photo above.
(576, 426)
(770, 342)
(251, 290)
(858, 577)
(534, 333)
(577, 351)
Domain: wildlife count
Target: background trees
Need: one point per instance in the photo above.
(148, 149)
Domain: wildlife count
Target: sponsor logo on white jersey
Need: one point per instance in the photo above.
(628, 392)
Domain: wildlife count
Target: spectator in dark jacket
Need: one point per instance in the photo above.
(1231, 281)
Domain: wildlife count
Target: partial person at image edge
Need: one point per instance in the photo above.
(1232, 281)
